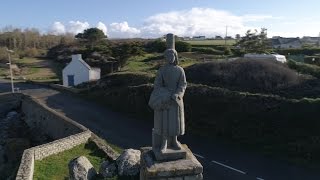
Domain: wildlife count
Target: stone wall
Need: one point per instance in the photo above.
(60, 145)
(38, 115)
(26, 167)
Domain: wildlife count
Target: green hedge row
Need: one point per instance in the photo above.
(267, 122)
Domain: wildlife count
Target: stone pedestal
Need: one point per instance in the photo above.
(182, 169)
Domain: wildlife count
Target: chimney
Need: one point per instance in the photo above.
(76, 57)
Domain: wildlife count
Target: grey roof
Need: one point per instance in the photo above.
(279, 41)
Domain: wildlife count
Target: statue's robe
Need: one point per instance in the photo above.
(169, 113)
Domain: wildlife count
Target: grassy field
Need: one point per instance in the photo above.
(212, 42)
(36, 69)
(150, 63)
(55, 167)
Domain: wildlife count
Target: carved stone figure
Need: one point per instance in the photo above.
(167, 102)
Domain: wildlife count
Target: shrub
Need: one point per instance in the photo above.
(3, 54)
(182, 46)
(207, 50)
(244, 75)
(304, 68)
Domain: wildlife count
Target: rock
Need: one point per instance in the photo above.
(129, 162)
(108, 169)
(81, 169)
(12, 114)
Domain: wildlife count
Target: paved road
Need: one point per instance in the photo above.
(220, 161)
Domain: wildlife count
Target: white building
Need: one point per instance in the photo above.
(78, 71)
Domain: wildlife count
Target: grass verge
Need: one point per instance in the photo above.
(56, 166)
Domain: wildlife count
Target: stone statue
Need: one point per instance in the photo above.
(167, 102)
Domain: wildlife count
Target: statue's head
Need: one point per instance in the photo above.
(171, 56)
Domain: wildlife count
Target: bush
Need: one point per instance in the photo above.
(244, 75)
(305, 51)
(207, 50)
(260, 121)
(3, 55)
(304, 68)
(30, 52)
(182, 46)
(156, 46)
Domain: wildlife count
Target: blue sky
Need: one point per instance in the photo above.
(152, 18)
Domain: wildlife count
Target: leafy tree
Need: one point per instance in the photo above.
(92, 36)
(156, 46)
(183, 46)
(125, 50)
(254, 42)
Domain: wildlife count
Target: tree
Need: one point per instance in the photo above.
(254, 42)
(92, 36)
(183, 46)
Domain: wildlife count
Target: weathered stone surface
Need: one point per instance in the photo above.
(1, 155)
(108, 169)
(129, 162)
(81, 169)
(151, 168)
(12, 114)
(195, 177)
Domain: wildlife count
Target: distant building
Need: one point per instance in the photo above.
(218, 37)
(78, 71)
(229, 37)
(198, 37)
(285, 43)
(310, 40)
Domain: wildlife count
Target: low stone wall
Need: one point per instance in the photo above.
(26, 167)
(38, 115)
(60, 145)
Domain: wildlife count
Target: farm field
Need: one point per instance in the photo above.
(211, 42)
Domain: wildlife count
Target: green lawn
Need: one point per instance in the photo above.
(212, 42)
(55, 167)
(37, 68)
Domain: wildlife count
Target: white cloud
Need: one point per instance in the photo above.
(76, 27)
(123, 30)
(102, 27)
(255, 17)
(57, 28)
(197, 21)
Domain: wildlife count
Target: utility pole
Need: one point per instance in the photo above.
(225, 38)
(10, 67)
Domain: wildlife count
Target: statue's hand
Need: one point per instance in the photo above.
(175, 97)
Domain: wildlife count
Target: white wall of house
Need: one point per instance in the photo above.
(94, 74)
(76, 68)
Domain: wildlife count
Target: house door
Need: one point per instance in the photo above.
(70, 80)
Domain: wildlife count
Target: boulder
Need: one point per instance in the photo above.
(129, 162)
(81, 169)
(108, 169)
(12, 114)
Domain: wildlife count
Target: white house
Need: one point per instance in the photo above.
(78, 71)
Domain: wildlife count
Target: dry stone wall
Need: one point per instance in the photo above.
(26, 167)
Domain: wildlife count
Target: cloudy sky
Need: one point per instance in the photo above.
(154, 18)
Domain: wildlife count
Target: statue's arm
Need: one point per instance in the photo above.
(158, 80)
(182, 85)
